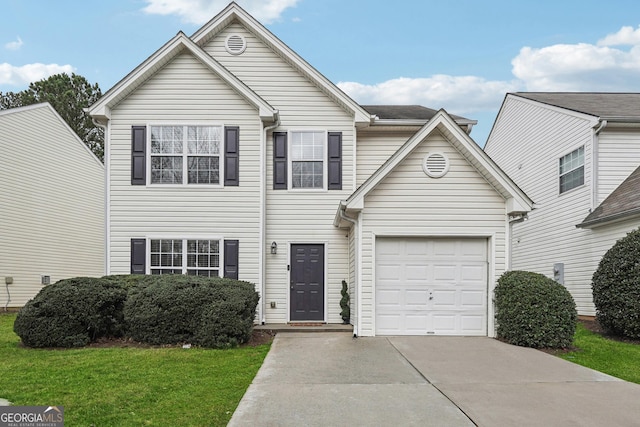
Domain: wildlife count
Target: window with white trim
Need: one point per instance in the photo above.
(185, 154)
(571, 170)
(307, 159)
(195, 257)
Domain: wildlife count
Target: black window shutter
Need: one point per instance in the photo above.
(231, 259)
(231, 156)
(334, 150)
(138, 155)
(279, 160)
(138, 256)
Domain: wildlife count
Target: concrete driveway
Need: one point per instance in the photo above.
(330, 379)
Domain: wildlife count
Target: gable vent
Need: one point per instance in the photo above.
(235, 44)
(435, 165)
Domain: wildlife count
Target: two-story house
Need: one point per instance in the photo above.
(228, 154)
(577, 155)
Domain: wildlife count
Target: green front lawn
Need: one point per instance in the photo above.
(612, 357)
(128, 386)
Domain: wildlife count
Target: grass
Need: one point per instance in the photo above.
(128, 386)
(612, 357)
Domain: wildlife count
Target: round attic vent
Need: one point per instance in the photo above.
(235, 44)
(435, 165)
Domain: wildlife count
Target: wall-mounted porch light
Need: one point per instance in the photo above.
(274, 248)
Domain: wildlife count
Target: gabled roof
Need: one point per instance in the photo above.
(178, 44)
(622, 203)
(606, 106)
(517, 201)
(408, 112)
(233, 12)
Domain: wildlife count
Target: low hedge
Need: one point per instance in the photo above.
(616, 287)
(174, 309)
(534, 311)
(72, 313)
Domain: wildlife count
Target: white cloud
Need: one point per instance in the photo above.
(626, 36)
(457, 94)
(578, 67)
(18, 76)
(14, 45)
(200, 11)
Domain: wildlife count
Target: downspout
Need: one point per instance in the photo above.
(107, 205)
(354, 222)
(263, 220)
(594, 165)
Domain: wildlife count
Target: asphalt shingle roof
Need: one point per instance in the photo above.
(623, 201)
(404, 112)
(600, 104)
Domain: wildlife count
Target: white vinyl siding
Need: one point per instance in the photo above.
(618, 156)
(526, 143)
(187, 93)
(52, 198)
(408, 203)
(374, 149)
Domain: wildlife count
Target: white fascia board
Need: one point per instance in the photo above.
(235, 12)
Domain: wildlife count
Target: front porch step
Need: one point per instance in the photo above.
(305, 327)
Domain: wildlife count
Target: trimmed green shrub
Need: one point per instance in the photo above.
(174, 309)
(616, 287)
(72, 313)
(534, 311)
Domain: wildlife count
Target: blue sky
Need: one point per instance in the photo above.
(462, 56)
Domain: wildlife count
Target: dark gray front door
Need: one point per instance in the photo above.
(307, 282)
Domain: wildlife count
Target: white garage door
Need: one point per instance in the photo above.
(431, 286)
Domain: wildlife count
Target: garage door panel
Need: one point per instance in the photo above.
(472, 299)
(431, 286)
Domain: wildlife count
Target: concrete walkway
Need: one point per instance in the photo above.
(332, 379)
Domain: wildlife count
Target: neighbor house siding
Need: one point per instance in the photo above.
(527, 142)
(409, 203)
(52, 199)
(185, 92)
(618, 156)
(295, 216)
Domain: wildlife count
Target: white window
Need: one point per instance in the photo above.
(307, 159)
(572, 170)
(185, 154)
(196, 257)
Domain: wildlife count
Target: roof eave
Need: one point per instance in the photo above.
(620, 216)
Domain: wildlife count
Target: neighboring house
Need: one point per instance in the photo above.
(51, 203)
(577, 155)
(228, 154)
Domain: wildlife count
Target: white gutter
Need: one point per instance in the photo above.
(594, 164)
(263, 220)
(356, 229)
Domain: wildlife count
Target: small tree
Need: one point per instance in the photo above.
(344, 304)
(616, 287)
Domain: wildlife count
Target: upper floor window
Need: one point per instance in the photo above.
(185, 154)
(307, 159)
(572, 170)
